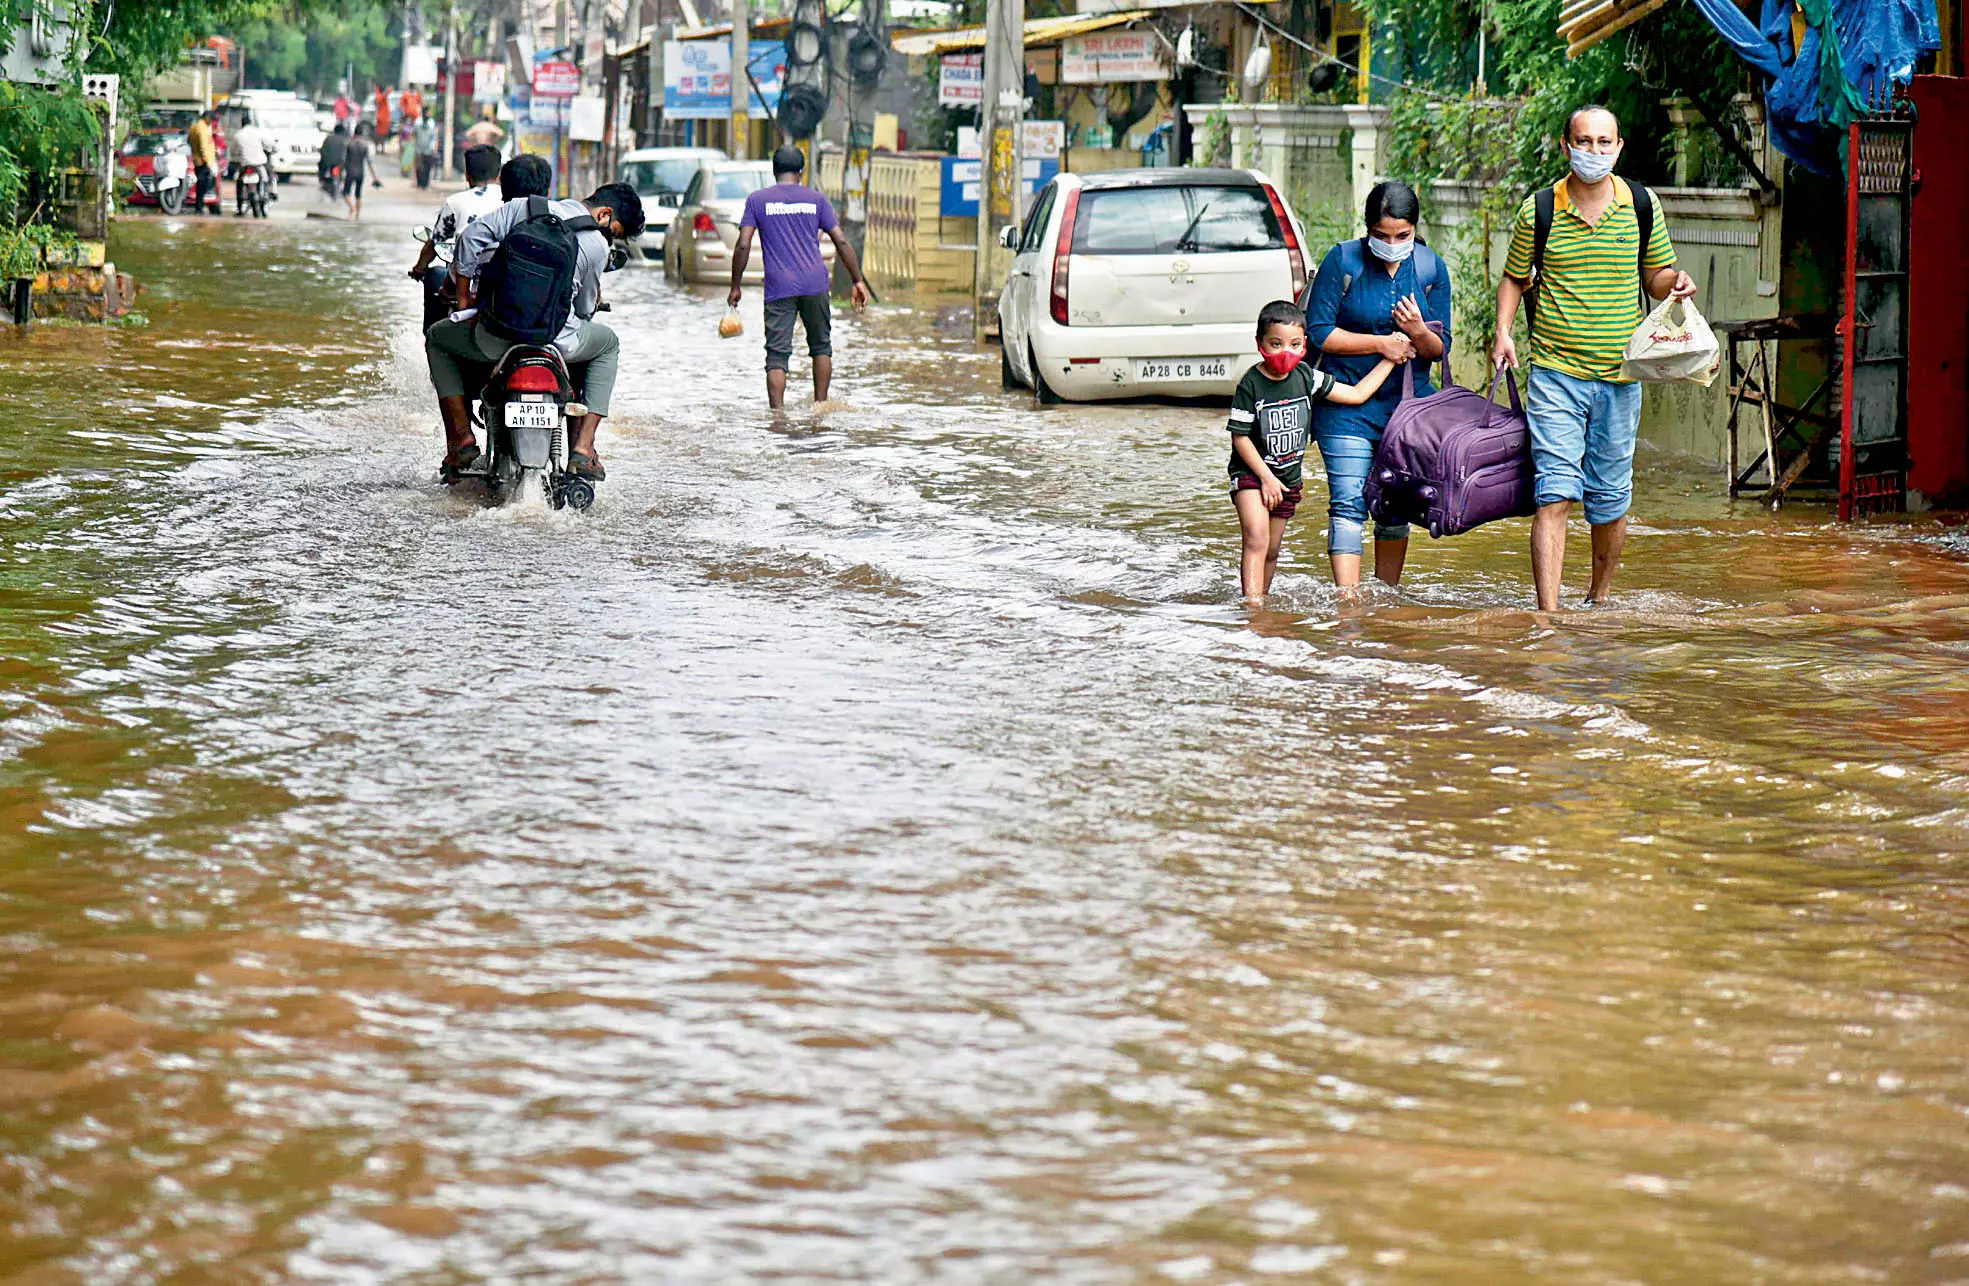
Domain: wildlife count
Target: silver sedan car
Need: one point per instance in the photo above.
(704, 232)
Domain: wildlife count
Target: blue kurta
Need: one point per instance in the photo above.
(1367, 309)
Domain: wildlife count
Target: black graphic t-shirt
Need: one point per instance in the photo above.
(1277, 415)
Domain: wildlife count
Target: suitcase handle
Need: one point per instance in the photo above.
(1408, 368)
(1510, 379)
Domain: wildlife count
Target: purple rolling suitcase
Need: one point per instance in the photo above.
(1453, 460)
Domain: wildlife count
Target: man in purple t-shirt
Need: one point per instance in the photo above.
(788, 219)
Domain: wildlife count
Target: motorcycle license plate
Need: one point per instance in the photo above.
(1158, 370)
(532, 415)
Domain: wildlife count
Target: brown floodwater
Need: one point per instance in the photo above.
(876, 847)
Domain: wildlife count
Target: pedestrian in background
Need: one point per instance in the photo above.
(485, 131)
(425, 139)
(1591, 271)
(1373, 298)
(382, 113)
(357, 166)
(204, 161)
(328, 169)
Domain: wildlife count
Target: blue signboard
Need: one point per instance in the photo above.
(959, 198)
(697, 78)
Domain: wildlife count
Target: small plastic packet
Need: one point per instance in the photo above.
(729, 325)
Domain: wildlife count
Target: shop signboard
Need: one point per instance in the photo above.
(1112, 57)
(959, 196)
(556, 78)
(961, 81)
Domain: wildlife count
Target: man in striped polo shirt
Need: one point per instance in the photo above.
(1590, 275)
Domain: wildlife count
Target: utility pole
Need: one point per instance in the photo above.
(1001, 174)
(450, 85)
(741, 83)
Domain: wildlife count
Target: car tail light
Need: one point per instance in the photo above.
(1061, 253)
(1291, 242)
(703, 224)
(533, 379)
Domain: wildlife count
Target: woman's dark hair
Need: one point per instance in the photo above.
(1280, 312)
(526, 175)
(1392, 199)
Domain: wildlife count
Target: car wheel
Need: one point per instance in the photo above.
(1046, 396)
(1007, 377)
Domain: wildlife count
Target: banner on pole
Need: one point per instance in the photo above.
(697, 79)
(488, 81)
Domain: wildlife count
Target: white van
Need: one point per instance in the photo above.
(1141, 282)
(289, 123)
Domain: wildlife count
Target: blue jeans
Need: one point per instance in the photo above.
(1347, 457)
(1582, 441)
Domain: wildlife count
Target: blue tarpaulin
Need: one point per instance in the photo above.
(1850, 50)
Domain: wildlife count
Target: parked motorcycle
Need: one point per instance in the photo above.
(171, 180)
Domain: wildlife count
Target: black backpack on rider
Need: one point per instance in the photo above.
(527, 291)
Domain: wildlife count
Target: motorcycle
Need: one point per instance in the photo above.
(170, 180)
(253, 189)
(526, 405)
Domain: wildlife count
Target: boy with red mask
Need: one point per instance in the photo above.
(1271, 418)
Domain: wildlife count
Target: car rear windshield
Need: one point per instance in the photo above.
(733, 184)
(1175, 220)
(660, 178)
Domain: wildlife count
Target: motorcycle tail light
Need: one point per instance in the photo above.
(533, 379)
(703, 224)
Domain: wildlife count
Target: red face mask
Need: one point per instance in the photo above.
(1280, 363)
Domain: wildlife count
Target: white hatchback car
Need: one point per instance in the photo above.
(1134, 283)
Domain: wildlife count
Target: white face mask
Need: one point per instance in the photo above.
(1391, 251)
(1591, 167)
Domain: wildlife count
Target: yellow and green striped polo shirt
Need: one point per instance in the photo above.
(1589, 303)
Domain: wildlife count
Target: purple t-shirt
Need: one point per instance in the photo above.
(790, 219)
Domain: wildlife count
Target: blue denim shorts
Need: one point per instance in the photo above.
(1582, 441)
(1348, 456)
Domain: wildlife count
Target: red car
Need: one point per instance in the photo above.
(158, 158)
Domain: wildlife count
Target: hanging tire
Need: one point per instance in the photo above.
(1046, 396)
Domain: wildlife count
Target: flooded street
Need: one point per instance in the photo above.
(877, 847)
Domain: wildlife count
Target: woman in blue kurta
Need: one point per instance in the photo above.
(1373, 298)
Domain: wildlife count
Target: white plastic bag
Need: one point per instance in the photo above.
(1674, 343)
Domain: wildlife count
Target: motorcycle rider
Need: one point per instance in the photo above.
(247, 147)
(458, 211)
(525, 175)
(452, 346)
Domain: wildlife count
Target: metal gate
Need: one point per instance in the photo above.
(1872, 331)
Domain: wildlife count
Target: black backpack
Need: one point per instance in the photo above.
(1545, 203)
(527, 291)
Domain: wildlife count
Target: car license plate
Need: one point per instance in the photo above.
(1157, 370)
(532, 415)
